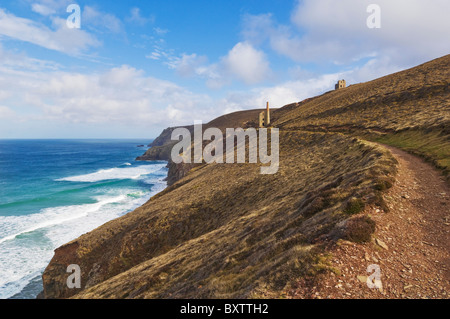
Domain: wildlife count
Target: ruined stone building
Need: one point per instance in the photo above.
(264, 117)
(340, 85)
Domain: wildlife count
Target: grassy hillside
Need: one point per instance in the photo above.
(418, 97)
(224, 230)
(228, 231)
(408, 109)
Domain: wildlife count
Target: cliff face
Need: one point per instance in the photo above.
(178, 171)
(162, 146)
(226, 231)
(56, 273)
(157, 153)
(165, 136)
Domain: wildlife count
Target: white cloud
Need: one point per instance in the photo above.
(154, 55)
(63, 39)
(101, 20)
(6, 113)
(136, 17)
(412, 28)
(247, 63)
(120, 97)
(42, 9)
(243, 62)
(49, 7)
(189, 64)
(257, 28)
(19, 61)
(4, 95)
(412, 31)
(160, 31)
(278, 95)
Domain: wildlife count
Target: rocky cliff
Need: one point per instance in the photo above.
(165, 136)
(162, 146)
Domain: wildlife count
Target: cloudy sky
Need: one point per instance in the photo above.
(136, 67)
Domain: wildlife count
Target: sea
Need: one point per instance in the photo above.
(53, 191)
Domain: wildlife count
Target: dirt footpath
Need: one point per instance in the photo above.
(410, 248)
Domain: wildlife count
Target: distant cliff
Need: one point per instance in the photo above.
(165, 136)
(161, 147)
(157, 153)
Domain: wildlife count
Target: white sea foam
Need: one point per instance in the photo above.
(115, 173)
(27, 252)
(52, 216)
(28, 241)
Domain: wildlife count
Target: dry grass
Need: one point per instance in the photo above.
(431, 144)
(409, 110)
(226, 231)
(419, 97)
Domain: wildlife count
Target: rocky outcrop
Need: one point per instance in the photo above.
(56, 274)
(157, 153)
(160, 149)
(178, 171)
(165, 136)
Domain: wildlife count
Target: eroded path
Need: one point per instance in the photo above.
(411, 244)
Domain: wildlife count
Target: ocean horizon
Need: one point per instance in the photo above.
(54, 190)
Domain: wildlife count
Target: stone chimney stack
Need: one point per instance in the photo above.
(267, 119)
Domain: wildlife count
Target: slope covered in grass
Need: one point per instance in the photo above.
(409, 109)
(225, 230)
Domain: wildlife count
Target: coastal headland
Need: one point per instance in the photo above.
(312, 229)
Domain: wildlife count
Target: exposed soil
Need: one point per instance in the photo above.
(415, 233)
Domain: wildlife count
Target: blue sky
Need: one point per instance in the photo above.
(136, 67)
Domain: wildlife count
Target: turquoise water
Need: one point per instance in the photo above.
(53, 191)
